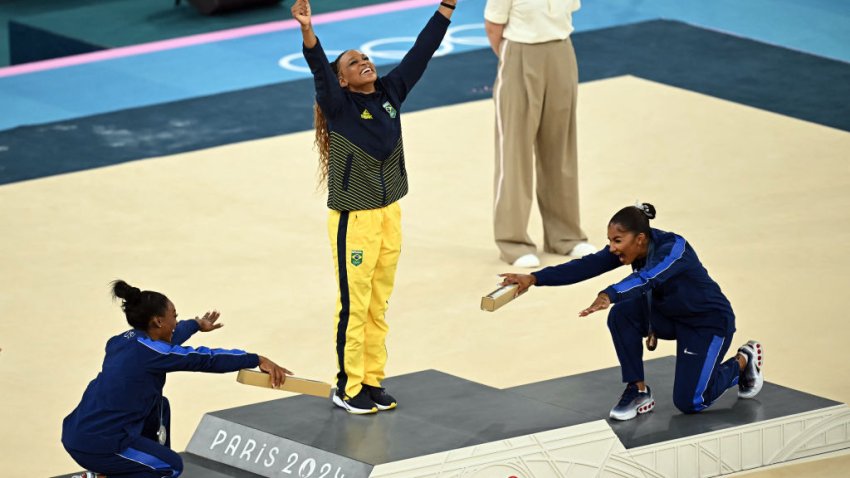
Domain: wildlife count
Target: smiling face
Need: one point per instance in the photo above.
(357, 72)
(162, 326)
(627, 245)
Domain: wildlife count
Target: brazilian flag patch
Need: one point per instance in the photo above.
(356, 257)
(392, 112)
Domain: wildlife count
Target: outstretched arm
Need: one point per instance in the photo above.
(523, 281)
(578, 270)
(601, 302)
(278, 373)
(403, 78)
(184, 330)
(162, 357)
(329, 95)
(447, 7)
(187, 328)
(301, 12)
(570, 272)
(208, 323)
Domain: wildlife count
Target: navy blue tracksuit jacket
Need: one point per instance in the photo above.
(671, 291)
(116, 403)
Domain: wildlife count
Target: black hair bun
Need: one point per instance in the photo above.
(123, 290)
(648, 209)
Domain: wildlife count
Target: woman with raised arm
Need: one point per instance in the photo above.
(361, 160)
(122, 425)
(668, 296)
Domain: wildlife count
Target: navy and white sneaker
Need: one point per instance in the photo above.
(632, 403)
(87, 474)
(383, 400)
(360, 404)
(751, 379)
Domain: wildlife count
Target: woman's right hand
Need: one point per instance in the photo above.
(301, 12)
(524, 281)
(278, 374)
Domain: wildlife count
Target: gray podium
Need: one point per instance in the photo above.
(447, 426)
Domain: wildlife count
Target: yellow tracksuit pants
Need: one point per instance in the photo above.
(366, 246)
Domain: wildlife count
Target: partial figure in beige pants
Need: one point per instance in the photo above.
(535, 92)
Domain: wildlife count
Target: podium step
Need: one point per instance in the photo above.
(199, 467)
(449, 426)
(437, 413)
(594, 393)
(446, 426)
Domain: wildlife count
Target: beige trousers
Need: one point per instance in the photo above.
(535, 92)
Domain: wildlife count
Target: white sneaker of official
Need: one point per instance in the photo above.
(582, 249)
(528, 260)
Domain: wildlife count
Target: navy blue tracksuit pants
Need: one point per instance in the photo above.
(700, 376)
(144, 458)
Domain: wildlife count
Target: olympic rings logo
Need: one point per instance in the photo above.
(375, 48)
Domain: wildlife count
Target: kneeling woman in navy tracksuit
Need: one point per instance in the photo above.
(669, 295)
(120, 428)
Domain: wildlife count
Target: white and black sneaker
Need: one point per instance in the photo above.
(383, 400)
(87, 474)
(360, 404)
(632, 403)
(751, 379)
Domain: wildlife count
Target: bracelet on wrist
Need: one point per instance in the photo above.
(447, 5)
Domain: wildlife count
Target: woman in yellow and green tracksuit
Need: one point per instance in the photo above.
(358, 134)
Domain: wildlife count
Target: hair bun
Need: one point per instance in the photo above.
(123, 290)
(648, 209)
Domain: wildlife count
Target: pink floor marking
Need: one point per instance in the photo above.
(202, 38)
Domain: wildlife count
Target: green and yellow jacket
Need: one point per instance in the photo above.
(366, 164)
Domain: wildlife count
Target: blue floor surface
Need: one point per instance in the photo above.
(820, 27)
(673, 53)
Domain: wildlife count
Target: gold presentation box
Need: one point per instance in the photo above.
(292, 384)
(499, 297)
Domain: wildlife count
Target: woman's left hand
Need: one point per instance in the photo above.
(602, 302)
(207, 322)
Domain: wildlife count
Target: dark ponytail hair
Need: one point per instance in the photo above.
(634, 219)
(139, 306)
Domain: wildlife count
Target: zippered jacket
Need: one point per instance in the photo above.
(116, 403)
(671, 279)
(366, 163)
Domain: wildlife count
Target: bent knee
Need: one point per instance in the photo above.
(177, 469)
(688, 406)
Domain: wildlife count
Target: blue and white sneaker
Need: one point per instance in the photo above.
(751, 379)
(632, 403)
